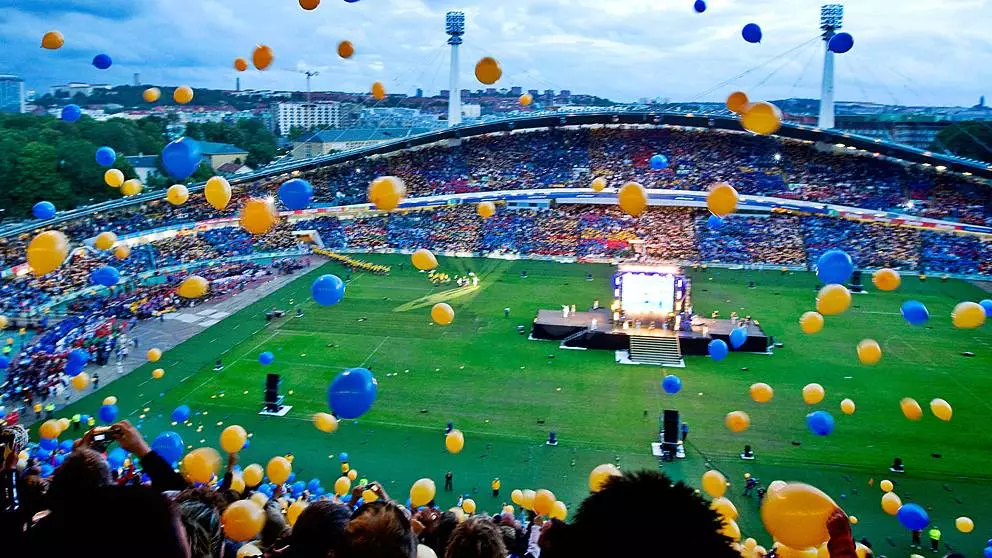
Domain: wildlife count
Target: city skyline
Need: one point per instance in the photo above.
(639, 49)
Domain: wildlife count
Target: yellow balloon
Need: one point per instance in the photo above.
(49, 429)
(325, 422)
(869, 352)
(423, 260)
(632, 198)
(113, 178)
(154, 354)
(193, 286)
(200, 465)
(177, 194)
(783, 551)
(105, 240)
(183, 94)
(52, 40)
(891, 502)
(558, 511)
(761, 118)
(422, 492)
(110, 400)
(964, 524)
(63, 424)
(526, 99)
(737, 102)
(294, 511)
(80, 381)
(442, 314)
(886, 279)
(454, 441)
(811, 322)
(47, 251)
(597, 478)
(911, 409)
(813, 394)
(378, 91)
(151, 94)
(369, 496)
(847, 407)
(725, 508)
(509, 509)
(342, 486)
(249, 550)
(968, 315)
(761, 392)
(714, 483)
(258, 216)
(488, 71)
(233, 438)
(544, 501)
(217, 192)
(278, 469)
(722, 199)
(468, 505)
(853, 519)
(517, 496)
(862, 551)
(737, 421)
(3, 321)
(941, 409)
(386, 192)
(259, 498)
(122, 252)
(352, 474)
(158, 373)
(345, 468)
(131, 187)
(731, 529)
(486, 209)
(598, 184)
(796, 515)
(527, 500)
(886, 485)
(833, 299)
(243, 520)
(238, 483)
(253, 474)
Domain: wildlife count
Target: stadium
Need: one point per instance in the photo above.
(462, 320)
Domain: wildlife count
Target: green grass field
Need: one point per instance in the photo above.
(505, 392)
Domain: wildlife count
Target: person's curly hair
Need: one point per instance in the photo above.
(476, 537)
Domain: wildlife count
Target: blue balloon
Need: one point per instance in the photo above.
(181, 157)
(327, 290)
(717, 349)
(987, 553)
(659, 162)
(108, 413)
(43, 455)
(834, 266)
(986, 305)
(66, 445)
(105, 156)
(181, 413)
(841, 43)
(74, 368)
(4, 362)
(699, 6)
(914, 312)
(738, 336)
(313, 485)
(343, 457)
(43, 210)
(296, 193)
(266, 358)
(820, 423)
(85, 419)
(714, 222)
(751, 33)
(71, 113)
(116, 458)
(298, 487)
(59, 459)
(107, 275)
(671, 384)
(79, 355)
(48, 444)
(102, 61)
(266, 489)
(47, 470)
(169, 446)
(352, 393)
(913, 517)
(292, 477)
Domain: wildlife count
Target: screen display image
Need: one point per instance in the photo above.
(647, 293)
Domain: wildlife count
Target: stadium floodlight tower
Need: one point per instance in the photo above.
(831, 18)
(454, 26)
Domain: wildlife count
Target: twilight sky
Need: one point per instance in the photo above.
(906, 51)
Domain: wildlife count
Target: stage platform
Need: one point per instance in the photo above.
(577, 331)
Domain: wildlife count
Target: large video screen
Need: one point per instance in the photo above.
(647, 293)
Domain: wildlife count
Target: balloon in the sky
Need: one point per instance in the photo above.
(762, 118)
(526, 99)
(105, 156)
(632, 198)
(737, 102)
(183, 94)
(102, 61)
(131, 187)
(914, 312)
(834, 266)
(847, 407)
(258, 216)
(47, 251)
(113, 178)
(151, 94)
(659, 162)
(243, 520)
(386, 192)
(262, 57)
(177, 194)
(43, 210)
(296, 193)
(699, 6)
(840, 43)
(309, 4)
(352, 393)
(181, 157)
(106, 276)
(71, 113)
(722, 199)
(122, 252)
(751, 33)
(327, 290)
(488, 70)
(325, 422)
(346, 49)
(218, 192)
(240, 64)
(378, 91)
(597, 478)
(52, 40)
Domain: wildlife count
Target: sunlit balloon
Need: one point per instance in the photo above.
(158, 373)
(544, 501)
(526, 99)
(737, 102)
(833, 299)
(278, 469)
(183, 94)
(422, 492)
(869, 352)
(52, 40)
(891, 502)
(886, 485)
(598, 184)
(386, 192)
(154, 354)
(442, 314)
(342, 486)
(177, 194)
(485, 209)
(200, 465)
(737, 421)
(80, 381)
(597, 477)
(217, 192)
(714, 483)
(761, 392)
(309, 4)
(796, 515)
(886, 279)
(813, 394)
(964, 524)
(346, 49)
(325, 422)
(488, 70)
(559, 511)
(131, 187)
(811, 322)
(122, 252)
(47, 251)
(423, 259)
(941, 409)
(262, 57)
(454, 441)
(113, 178)
(243, 520)
(725, 508)
(911, 408)
(468, 505)
(762, 118)
(378, 91)
(847, 407)
(731, 530)
(193, 286)
(233, 438)
(968, 315)
(240, 64)
(105, 240)
(258, 216)
(151, 94)
(632, 198)
(253, 474)
(722, 199)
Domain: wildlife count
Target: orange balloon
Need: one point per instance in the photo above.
(386, 192)
(632, 198)
(813, 394)
(52, 40)
(737, 102)
(122, 252)
(258, 216)
(454, 441)
(240, 64)
(47, 251)
(442, 314)
(158, 373)
(488, 70)
(737, 421)
(309, 4)
(183, 94)
(597, 478)
(761, 118)
(833, 299)
(886, 279)
(233, 438)
(869, 352)
(346, 49)
(796, 515)
(378, 91)
(243, 520)
(911, 409)
(278, 469)
(151, 94)
(486, 209)
(811, 322)
(200, 465)
(762, 393)
(722, 199)
(544, 501)
(262, 57)
(598, 184)
(526, 99)
(847, 407)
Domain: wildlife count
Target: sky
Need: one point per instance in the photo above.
(911, 52)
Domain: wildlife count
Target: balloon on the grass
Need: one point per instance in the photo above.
(262, 57)
(964, 524)
(714, 483)
(243, 520)
(454, 441)
(113, 178)
(737, 102)
(131, 187)
(169, 446)
(352, 393)
(158, 373)
(869, 352)
(811, 322)
(181, 413)
(181, 157)
(941, 409)
(986, 305)
(386, 192)
(632, 198)
(327, 290)
(847, 407)
(423, 259)
(52, 40)
(102, 61)
(911, 408)
(278, 469)
(722, 199)
(834, 266)
(108, 413)
(105, 276)
(813, 393)
(913, 517)
(659, 162)
(840, 43)
(71, 113)
(422, 492)
(43, 210)
(598, 184)
(233, 438)
(914, 312)
(820, 423)
(193, 286)
(488, 70)
(177, 194)
(737, 421)
(346, 49)
(886, 279)
(761, 392)
(296, 193)
(968, 315)
(717, 349)
(751, 33)
(833, 299)
(442, 314)
(738, 336)
(796, 515)
(671, 384)
(325, 422)
(485, 209)
(217, 192)
(598, 477)
(699, 6)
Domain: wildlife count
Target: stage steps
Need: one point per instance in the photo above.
(656, 349)
(565, 342)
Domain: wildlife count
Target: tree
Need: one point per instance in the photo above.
(37, 178)
(966, 139)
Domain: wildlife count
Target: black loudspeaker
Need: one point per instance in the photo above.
(671, 427)
(856, 285)
(272, 388)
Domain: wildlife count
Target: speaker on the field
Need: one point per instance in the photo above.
(856, 285)
(271, 391)
(671, 427)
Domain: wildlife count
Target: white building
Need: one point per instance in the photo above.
(307, 116)
(71, 89)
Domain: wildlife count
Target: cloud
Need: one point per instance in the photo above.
(906, 51)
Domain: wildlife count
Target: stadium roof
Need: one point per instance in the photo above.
(211, 148)
(363, 134)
